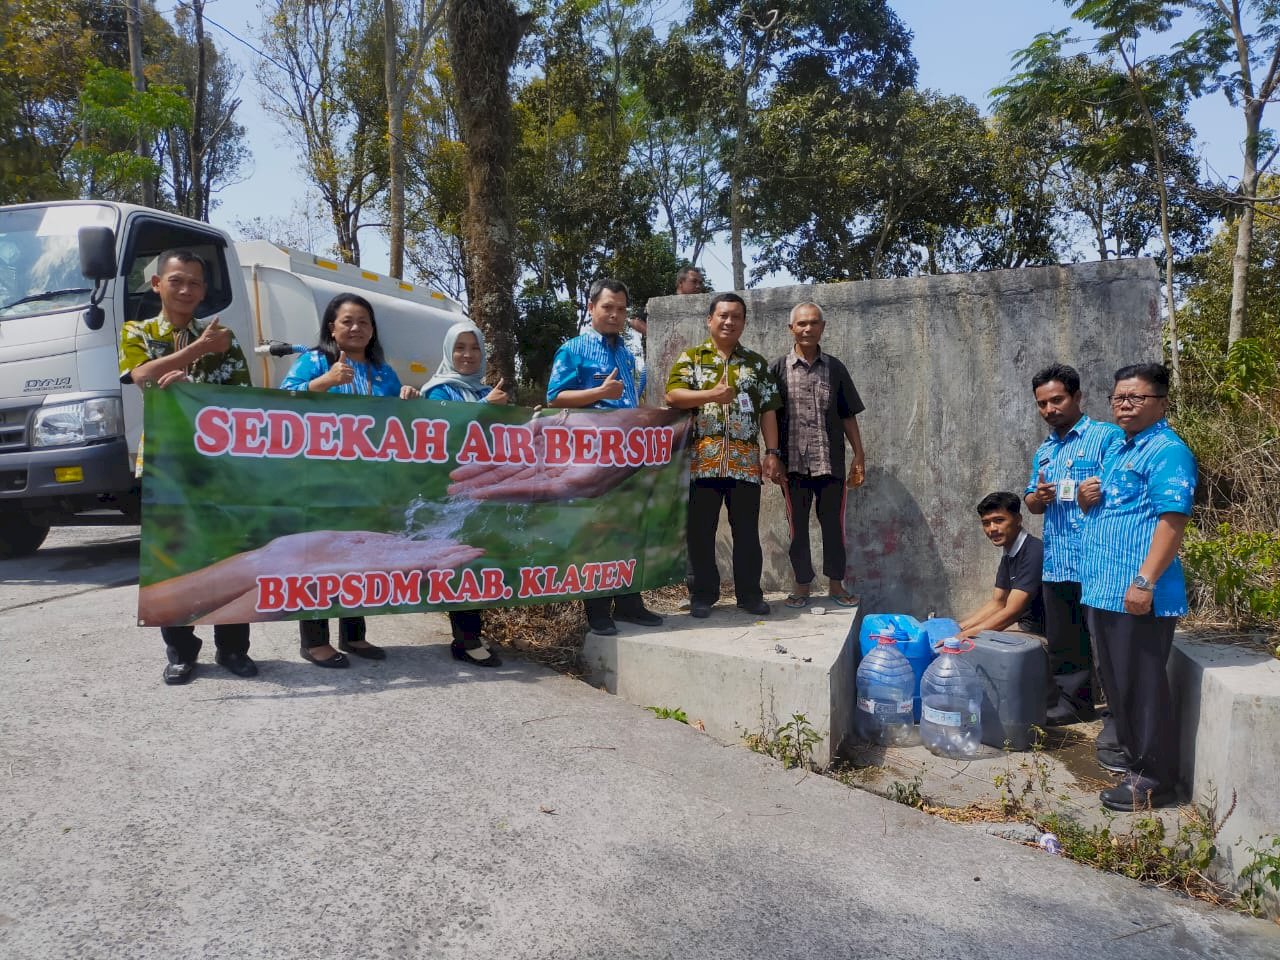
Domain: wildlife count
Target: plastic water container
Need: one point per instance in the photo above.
(936, 629)
(1013, 669)
(951, 703)
(885, 682)
(910, 642)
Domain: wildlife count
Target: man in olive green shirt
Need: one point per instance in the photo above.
(735, 400)
(169, 348)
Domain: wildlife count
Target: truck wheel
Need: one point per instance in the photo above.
(20, 536)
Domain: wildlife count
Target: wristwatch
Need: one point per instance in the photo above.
(773, 452)
(1141, 583)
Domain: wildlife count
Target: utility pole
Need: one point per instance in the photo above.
(133, 18)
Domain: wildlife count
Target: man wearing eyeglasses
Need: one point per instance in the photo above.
(1133, 587)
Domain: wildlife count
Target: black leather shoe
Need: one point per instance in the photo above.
(1136, 792)
(699, 610)
(606, 627)
(179, 672)
(237, 663)
(337, 660)
(760, 608)
(1113, 759)
(462, 653)
(644, 617)
(368, 652)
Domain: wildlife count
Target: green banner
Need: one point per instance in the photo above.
(268, 505)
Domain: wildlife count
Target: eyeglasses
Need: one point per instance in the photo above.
(1133, 399)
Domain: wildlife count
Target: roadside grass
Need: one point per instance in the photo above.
(1175, 856)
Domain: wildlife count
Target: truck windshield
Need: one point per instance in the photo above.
(40, 257)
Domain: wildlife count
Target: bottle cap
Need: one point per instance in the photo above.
(890, 634)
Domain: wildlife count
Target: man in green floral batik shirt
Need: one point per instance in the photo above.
(735, 400)
(160, 351)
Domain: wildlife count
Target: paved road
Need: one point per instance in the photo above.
(417, 809)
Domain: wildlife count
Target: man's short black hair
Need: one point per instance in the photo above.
(727, 297)
(684, 272)
(1000, 500)
(182, 256)
(1156, 374)
(613, 286)
(1063, 374)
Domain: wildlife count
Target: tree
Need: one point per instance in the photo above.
(857, 195)
(331, 99)
(484, 36)
(46, 49)
(206, 156)
(114, 113)
(1090, 118)
(436, 182)
(730, 54)
(580, 199)
(1237, 50)
(399, 89)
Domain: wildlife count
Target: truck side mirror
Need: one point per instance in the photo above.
(97, 263)
(97, 253)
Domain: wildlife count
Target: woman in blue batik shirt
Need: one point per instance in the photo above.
(347, 359)
(460, 378)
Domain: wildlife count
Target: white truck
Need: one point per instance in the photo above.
(72, 273)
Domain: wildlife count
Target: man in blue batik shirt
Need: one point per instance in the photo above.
(1134, 590)
(1075, 450)
(595, 369)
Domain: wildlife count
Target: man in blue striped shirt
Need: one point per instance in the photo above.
(596, 369)
(1134, 591)
(1076, 449)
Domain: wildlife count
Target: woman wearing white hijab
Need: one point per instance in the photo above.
(460, 378)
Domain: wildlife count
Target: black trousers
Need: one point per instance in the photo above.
(1070, 649)
(1133, 656)
(315, 633)
(603, 608)
(227, 637)
(826, 495)
(742, 499)
(466, 625)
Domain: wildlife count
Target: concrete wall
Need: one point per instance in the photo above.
(944, 366)
(1228, 701)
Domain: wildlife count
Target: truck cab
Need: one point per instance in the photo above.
(67, 425)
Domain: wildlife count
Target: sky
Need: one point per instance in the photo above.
(962, 46)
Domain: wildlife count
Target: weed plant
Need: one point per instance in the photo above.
(669, 713)
(1228, 411)
(792, 743)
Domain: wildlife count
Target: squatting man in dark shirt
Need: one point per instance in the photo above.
(1015, 602)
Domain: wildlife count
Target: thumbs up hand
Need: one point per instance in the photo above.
(612, 387)
(1046, 492)
(498, 394)
(215, 338)
(722, 392)
(341, 372)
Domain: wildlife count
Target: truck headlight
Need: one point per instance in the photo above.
(61, 424)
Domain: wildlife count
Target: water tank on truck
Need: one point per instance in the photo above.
(289, 289)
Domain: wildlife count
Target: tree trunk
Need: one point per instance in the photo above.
(133, 23)
(735, 174)
(1158, 155)
(1244, 225)
(198, 201)
(395, 138)
(483, 38)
